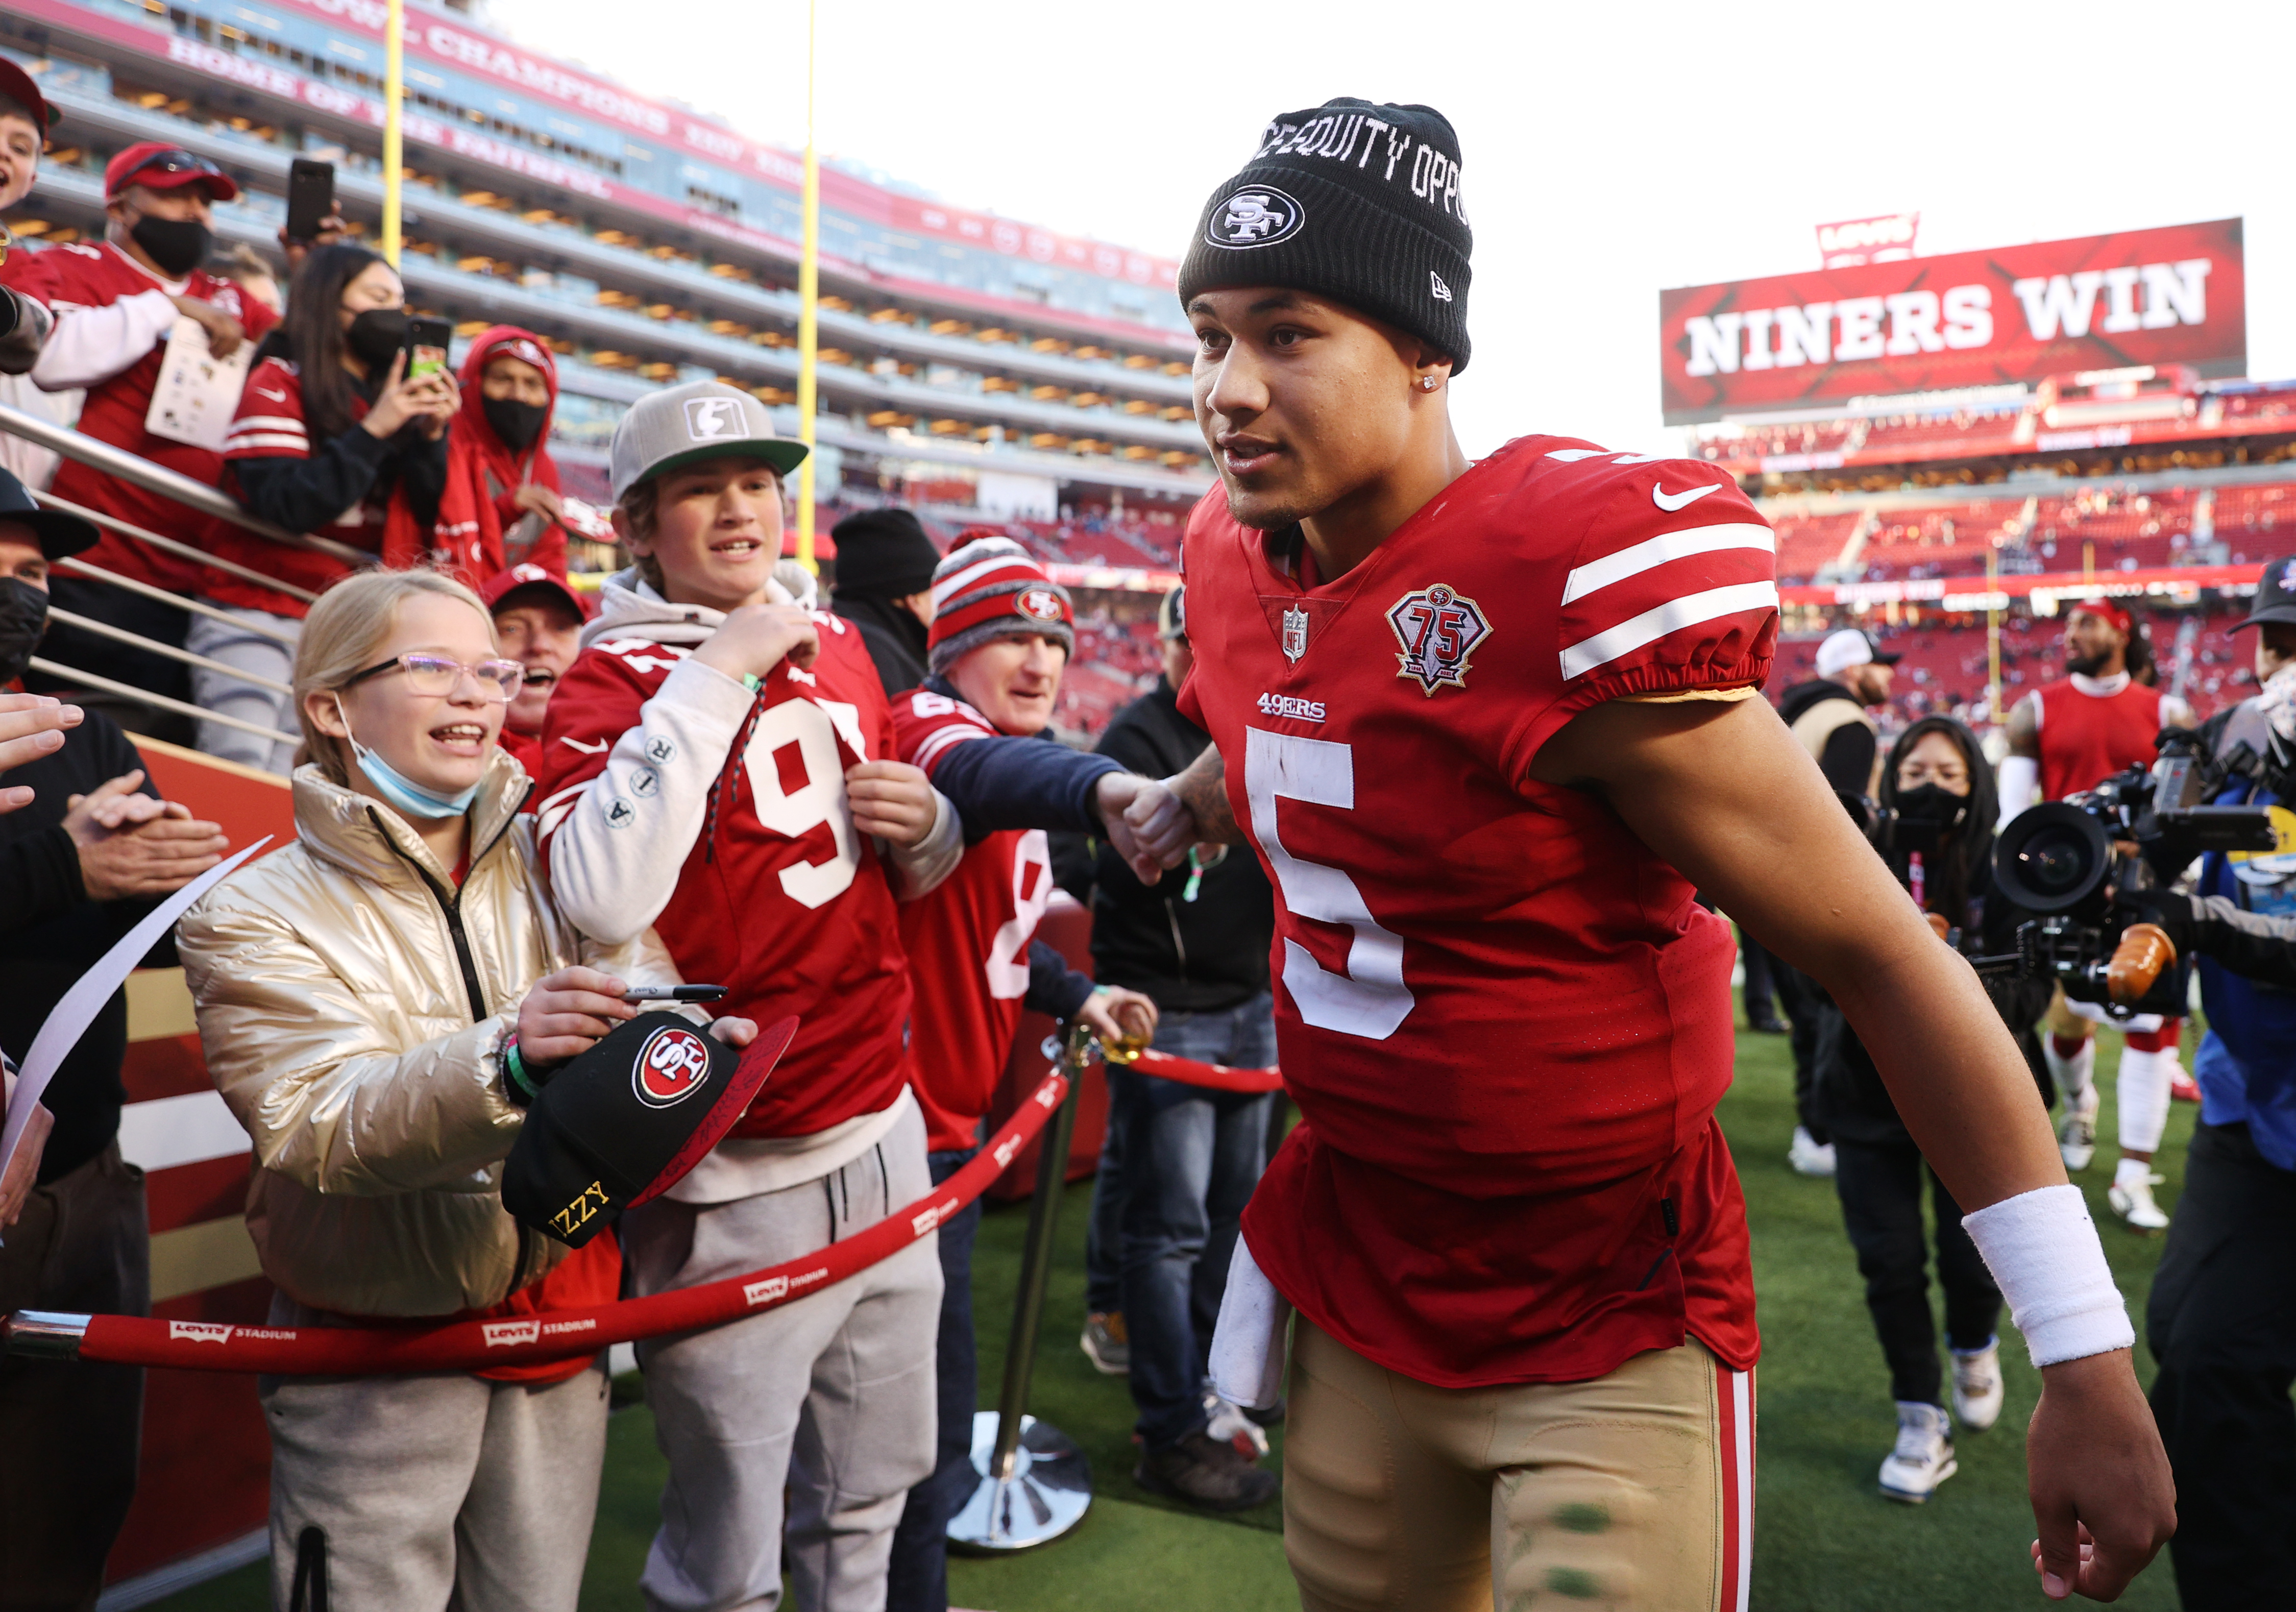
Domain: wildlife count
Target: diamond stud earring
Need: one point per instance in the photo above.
(1426, 383)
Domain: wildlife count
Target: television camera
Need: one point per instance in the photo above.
(2063, 860)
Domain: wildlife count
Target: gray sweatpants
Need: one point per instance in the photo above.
(250, 652)
(832, 1396)
(435, 1490)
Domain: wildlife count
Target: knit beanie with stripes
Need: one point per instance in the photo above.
(992, 587)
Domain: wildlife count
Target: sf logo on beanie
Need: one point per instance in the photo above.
(1259, 215)
(671, 1068)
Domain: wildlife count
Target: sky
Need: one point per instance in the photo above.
(1609, 150)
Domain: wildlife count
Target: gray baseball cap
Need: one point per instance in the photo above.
(700, 419)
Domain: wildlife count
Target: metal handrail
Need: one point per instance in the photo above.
(72, 673)
(104, 629)
(173, 600)
(168, 484)
(185, 551)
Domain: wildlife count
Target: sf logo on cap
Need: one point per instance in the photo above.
(671, 1068)
(707, 418)
(1258, 215)
(1042, 603)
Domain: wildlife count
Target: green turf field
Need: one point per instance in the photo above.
(1825, 1541)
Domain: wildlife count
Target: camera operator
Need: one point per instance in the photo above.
(2222, 1316)
(1939, 846)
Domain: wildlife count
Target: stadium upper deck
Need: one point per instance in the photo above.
(992, 362)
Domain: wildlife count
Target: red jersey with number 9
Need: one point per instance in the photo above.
(780, 898)
(967, 940)
(1506, 1020)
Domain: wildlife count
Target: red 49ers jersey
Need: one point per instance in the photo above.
(2087, 738)
(1505, 1021)
(85, 276)
(967, 940)
(781, 899)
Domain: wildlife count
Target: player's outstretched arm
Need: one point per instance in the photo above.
(1725, 793)
(1192, 808)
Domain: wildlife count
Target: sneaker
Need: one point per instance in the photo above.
(1105, 1343)
(1769, 1027)
(2131, 1197)
(1923, 1458)
(1808, 1155)
(2077, 1134)
(1205, 1473)
(2183, 1087)
(1977, 1387)
(1233, 1425)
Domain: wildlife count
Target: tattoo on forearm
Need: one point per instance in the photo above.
(1203, 788)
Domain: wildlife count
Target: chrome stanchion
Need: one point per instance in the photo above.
(1035, 1484)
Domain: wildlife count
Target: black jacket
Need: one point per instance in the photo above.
(894, 637)
(1848, 761)
(1200, 956)
(1847, 1092)
(49, 940)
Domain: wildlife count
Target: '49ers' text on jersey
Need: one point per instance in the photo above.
(1505, 1021)
(780, 898)
(967, 940)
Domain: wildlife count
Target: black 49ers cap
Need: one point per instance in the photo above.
(2276, 596)
(625, 1121)
(1355, 201)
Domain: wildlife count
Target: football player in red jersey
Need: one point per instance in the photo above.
(1001, 636)
(718, 764)
(2068, 737)
(1489, 725)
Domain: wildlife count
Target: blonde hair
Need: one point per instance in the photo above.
(342, 635)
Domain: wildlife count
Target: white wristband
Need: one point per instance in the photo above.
(2043, 1251)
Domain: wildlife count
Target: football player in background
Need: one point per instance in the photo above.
(1489, 725)
(2067, 737)
(1000, 640)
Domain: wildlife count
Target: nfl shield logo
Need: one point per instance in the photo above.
(1295, 632)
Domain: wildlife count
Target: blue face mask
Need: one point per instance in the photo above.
(410, 798)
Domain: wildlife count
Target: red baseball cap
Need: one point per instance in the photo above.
(16, 84)
(504, 584)
(2105, 609)
(157, 165)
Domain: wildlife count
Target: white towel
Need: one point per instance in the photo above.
(1247, 1362)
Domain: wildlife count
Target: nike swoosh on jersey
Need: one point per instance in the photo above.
(1671, 502)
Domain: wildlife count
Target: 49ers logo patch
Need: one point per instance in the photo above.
(671, 1067)
(1438, 629)
(1041, 603)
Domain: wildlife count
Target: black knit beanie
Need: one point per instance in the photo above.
(1353, 200)
(885, 553)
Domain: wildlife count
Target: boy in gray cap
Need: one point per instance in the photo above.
(725, 777)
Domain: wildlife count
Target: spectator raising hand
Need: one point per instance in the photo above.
(31, 725)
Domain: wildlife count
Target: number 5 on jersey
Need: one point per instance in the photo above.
(1370, 999)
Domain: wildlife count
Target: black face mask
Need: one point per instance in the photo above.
(376, 336)
(177, 246)
(1931, 804)
(23, 618)
(517, 423)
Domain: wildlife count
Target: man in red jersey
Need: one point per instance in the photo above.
(1001, 637)
(116, 304)
(1489, 726)
(2072, 736)
(538, 623)
(718, 764)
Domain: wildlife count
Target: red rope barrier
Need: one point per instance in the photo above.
(1195, 1072)
(556, 1334)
